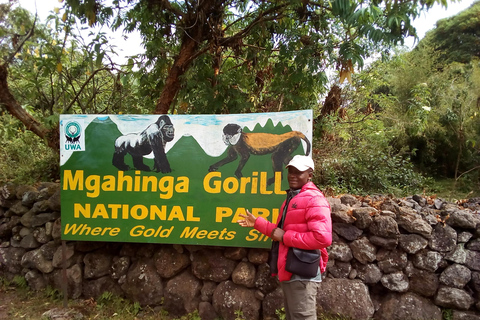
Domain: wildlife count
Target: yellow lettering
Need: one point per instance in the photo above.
(216, 184)
(124, 180)
(78, 209)
(114, 208)
(153, 183)
(222, 212)
(134, 212)
(176, 213)
(234, 185)
(155, 211)
(96, 231)
(186, 233)
(190, 216)
(108, 183)
(182, 185)
(71, 183)
(278, 183)
(92, 184)
(201, 234)
(263, 184)
(101, 211)
(165, 185)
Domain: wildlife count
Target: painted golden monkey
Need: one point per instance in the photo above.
(245, 144)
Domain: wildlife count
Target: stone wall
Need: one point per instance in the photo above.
(390, 259)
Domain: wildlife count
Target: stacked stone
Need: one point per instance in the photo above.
(390, 259)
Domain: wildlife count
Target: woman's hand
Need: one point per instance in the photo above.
(249, 220)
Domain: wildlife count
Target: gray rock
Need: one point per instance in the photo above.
(7, 225)
(143, 284)
(387, 243)
(456, 276)
(412, 222)
(464, 237)
(340, 269)
(347, 297)
(384, 226)
(29, 242)
(397, 281)
(11, 260)
(169, 262)
(423, 282)
(340, 251)
(230, 298)
(369, 273)
(35, 280)
(444, 238)
(363, 216)
(458, 255)
(349, 200)
(62, 314)
(120, 267)
(208, 288)
(264, 281)
(473, 260)
(412, 243)
(244, 274)
(342, 216)
(272, 302)
(474, 245)
(235, 253)
(347, 231)
(258, 256)
(97, 264)
(95, 288)
(182, 294)
(212, 265)
(363, 250)
(391, 261)
(465, 315)
(463, 219)
(454, 298)
(206, 311)
(37, 259)
(408, 306)
(427, 260)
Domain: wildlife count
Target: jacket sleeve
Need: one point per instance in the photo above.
(319, 225)
(264, 226)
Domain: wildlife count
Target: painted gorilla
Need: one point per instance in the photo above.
(153, 138)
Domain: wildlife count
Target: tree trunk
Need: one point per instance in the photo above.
(172, 83)
(16, 110)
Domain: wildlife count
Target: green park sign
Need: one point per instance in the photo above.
(179, 179)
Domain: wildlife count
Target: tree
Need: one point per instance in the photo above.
(52, 71)
(240, 56)
(458, 37)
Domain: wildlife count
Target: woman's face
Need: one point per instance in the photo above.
(297, 178)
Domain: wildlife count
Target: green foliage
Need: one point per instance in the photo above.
(53, 293)
(280, 313)
(20, 282)
(456, 38)
(24, 158)
(447, 314)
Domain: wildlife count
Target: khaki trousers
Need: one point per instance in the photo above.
(300, 298)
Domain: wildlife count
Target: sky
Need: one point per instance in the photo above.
(133, 46)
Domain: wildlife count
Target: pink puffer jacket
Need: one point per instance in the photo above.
(308, 225)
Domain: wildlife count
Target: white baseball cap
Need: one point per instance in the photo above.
(302, 163)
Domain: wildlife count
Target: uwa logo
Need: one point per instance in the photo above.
(73, 133)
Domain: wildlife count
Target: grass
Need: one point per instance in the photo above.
(18, 302)
(448, 190)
